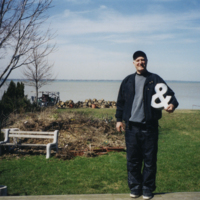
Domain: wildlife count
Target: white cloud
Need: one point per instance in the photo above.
(103, 7)
(109, 21)
(161, 1)
(83, 62)
(78, 1)
(139, 39)
(67, 13)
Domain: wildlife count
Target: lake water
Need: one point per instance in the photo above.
(187, 93)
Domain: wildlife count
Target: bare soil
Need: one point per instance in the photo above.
(78, 134)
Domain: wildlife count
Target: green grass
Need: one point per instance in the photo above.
(89, 112)
(178, 153)
(178, 164)
(35, 175)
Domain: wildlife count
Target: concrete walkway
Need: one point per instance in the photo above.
(167, 196)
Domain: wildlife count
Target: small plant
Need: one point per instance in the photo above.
(105, 143)
(55, 116)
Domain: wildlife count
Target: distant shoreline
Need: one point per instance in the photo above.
(84, 80)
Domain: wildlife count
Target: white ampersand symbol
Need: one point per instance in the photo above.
(160, 90)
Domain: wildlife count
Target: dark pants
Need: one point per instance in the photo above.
(142, 145)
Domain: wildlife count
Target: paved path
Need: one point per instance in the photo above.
(167, 196)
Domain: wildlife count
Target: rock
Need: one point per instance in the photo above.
(71, 102)
(87, 103)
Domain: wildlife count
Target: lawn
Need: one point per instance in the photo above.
(178, 163)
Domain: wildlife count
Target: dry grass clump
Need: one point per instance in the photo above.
(77, 132)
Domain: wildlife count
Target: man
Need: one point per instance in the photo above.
(141, 119)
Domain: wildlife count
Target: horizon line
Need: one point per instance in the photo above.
(20, 79)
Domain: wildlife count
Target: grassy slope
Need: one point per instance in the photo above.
(178, 164)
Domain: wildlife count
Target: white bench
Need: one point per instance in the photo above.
(31, 134)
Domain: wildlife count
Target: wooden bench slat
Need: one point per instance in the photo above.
(32, 132)
(31, 136)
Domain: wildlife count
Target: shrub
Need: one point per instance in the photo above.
(13, 99)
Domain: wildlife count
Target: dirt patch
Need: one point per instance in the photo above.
(77, 133)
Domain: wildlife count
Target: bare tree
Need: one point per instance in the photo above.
(21, 32)
(39, 72)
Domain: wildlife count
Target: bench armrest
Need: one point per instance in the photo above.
(55, 143)
(6, 136)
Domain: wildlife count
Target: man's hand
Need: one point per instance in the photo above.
(119, 127)
(170, 108)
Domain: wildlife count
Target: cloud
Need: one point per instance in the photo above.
(74, 15)
(161, 1)
(109, 21)
(78, 1)
(139, 39)
(83, 61)
(103, 7)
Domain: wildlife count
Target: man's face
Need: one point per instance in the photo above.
(140, 64)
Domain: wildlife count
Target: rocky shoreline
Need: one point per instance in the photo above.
(88, 103)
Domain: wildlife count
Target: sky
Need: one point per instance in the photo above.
(96, 39)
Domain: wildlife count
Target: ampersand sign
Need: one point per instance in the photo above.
(160, 90)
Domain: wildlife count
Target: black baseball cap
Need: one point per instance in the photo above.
(138, 54)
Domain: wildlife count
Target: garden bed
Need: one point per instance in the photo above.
(78, 134)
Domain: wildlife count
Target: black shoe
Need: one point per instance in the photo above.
(147, 194)
(135, 193)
